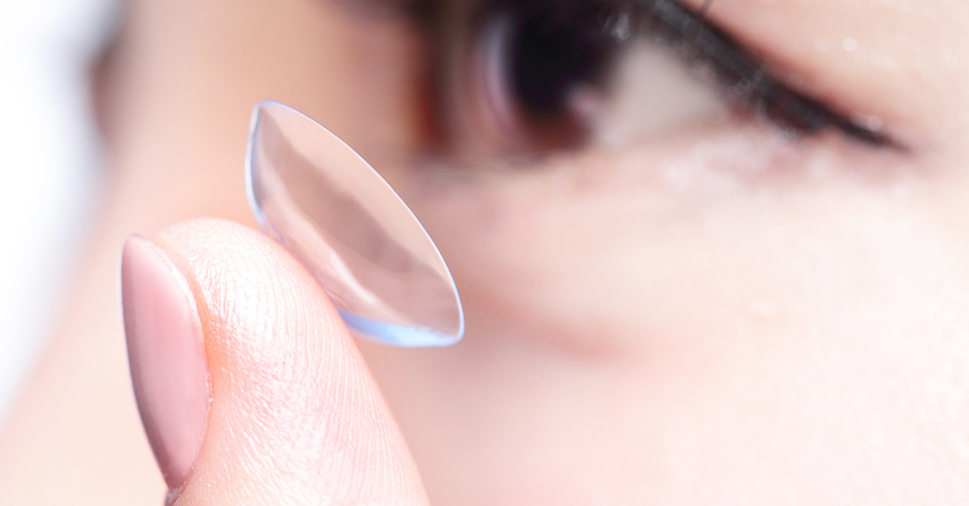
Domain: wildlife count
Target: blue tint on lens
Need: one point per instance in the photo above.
(337, 216)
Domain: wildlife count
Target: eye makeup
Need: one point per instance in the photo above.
(545, 53)
(327, 206)
(742, 74)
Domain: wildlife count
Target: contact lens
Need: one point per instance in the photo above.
(331, 210)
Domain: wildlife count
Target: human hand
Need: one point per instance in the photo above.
(249, 384)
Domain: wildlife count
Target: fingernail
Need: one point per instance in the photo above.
(166, 354)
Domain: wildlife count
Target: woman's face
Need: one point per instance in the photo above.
(683, 285)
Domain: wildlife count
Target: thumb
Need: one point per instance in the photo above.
(248, 383)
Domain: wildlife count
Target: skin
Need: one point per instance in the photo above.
(716, 316)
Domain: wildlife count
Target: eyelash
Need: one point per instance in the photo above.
(703, 46)
(743, 76)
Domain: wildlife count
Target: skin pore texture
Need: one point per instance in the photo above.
(716, 315)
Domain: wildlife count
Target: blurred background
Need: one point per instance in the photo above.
(51, 168)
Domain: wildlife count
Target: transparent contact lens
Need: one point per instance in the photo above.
(336, 215)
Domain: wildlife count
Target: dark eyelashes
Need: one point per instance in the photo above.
(745, 78)
(742, 74)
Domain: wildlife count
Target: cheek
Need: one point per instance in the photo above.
(672, 246)
(807, 324)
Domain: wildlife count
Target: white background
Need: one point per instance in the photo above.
(49, 168)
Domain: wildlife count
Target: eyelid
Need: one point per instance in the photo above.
(746, 78)
(744, 75)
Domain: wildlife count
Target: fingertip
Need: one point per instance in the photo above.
(295, 410)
